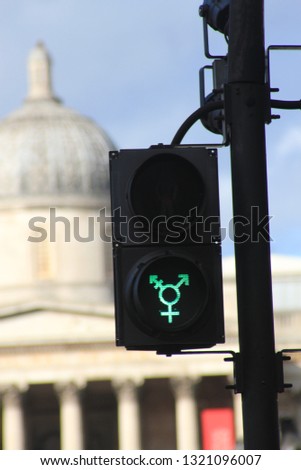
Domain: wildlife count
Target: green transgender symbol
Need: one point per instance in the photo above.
(158, 284)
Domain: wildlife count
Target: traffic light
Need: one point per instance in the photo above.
(216, 13)
(166, 248)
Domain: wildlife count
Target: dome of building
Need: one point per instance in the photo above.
(48, 150)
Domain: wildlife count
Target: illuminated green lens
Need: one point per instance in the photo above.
(169, 293)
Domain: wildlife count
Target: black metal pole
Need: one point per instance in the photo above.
(247, 105)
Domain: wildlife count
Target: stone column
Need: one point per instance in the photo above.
(187, 428)
(13, 428)
(129, 432)
(239, 433)
(71, 425)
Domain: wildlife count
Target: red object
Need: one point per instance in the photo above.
(218, 429)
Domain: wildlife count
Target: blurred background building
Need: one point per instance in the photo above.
(63, 382)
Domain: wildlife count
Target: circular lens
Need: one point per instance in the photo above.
(166, 185)
(169, 294)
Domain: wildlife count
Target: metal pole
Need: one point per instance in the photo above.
(247, 104)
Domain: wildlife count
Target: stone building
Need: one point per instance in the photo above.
(63, 382)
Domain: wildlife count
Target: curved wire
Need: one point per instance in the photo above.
(208, 107)
(280, 104)
(193, 118)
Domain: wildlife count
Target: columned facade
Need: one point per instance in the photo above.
(147, 412)
(141, 417)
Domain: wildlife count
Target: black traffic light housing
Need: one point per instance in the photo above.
(166, 248)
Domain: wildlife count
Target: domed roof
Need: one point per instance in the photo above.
(47, 149)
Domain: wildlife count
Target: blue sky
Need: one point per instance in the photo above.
(132, 66)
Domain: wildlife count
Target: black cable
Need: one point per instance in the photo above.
(193, 118)
(280, 104)
(213, 106)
